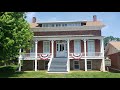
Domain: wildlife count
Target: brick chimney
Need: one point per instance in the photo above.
(34, 20)
(94, 18)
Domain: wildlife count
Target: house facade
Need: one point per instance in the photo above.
(112, 51)
(63, 46)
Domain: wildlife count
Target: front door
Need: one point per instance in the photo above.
(61, 50)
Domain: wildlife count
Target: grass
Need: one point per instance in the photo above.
(10, 72)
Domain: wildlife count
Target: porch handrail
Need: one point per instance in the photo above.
(39, 56)
(50, 62)
(88, 54)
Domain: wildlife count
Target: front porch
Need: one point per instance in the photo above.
(62, 47)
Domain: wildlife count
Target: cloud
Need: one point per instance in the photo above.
(30, 15)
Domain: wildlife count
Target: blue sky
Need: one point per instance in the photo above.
(110, 19)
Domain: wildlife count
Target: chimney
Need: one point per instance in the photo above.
(94, 18)
(33, 19)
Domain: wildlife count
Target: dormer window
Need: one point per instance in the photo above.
(62, 24)
(52, 25)
(83, 23)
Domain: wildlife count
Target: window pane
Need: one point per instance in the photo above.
(88, 62)
(76, 66)
(46, 64)
(46, 47)
(89, 66)
(77, 47)
(76, 62)
(32, 48)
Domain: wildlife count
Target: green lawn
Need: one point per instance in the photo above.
(9, 72)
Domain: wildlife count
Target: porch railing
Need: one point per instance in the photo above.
(82, 55)
(40, 56)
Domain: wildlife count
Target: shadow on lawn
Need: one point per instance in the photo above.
(114, 70)
(9, 71)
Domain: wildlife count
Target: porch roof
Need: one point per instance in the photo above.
(65, 37)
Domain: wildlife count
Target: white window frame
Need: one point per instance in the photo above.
(33, 47)
(74, 64)
(79, 46)
(47, 47)
(91, 64)
(89, 53)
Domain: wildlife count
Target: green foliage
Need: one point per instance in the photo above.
(14, 34)
(110, 38)
(8, 69)
(9, 72)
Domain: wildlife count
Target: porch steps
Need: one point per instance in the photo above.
(58, 65)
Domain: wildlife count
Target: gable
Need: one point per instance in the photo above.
(111, 49)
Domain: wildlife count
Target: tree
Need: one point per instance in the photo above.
(110, 38)
(14, 34)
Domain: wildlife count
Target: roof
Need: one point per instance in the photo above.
(112, 47)
(116, 44)
(88, 23)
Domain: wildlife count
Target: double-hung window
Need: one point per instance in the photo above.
(46, 46)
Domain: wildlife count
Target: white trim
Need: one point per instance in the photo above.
(36, 45)
(52, 46)
(34, 64)
(91, 64)
(85, 54)
(77, 64)
(47, 47)
(68, 52)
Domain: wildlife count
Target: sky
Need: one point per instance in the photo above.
(110, 19)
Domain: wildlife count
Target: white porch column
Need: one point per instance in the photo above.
(19, 62)
(68, 52)
(36, 55)
(85, 54)
(52, 48)
(102, 51)
(102, 47)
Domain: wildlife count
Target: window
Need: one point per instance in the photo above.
(59, 25)
(46, 64)
(56, 25)
(46, 47)
(89, 65)
(39, 25)
(76, 65)
(63, 25)
(91, 48)
(52, 25)
(32, 50)
(77, 46)
(83, 23)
